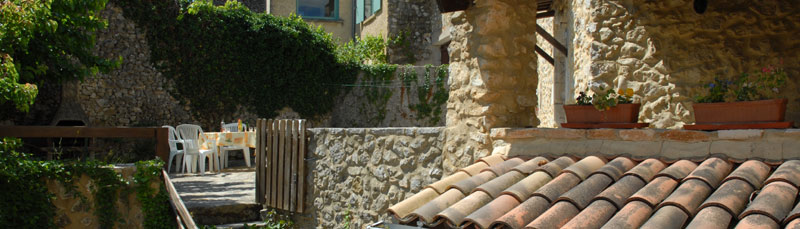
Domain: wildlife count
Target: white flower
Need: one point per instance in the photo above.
(775, 89)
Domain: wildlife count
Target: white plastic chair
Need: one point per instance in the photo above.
(191, 134)
(174, 140)
(234, 127)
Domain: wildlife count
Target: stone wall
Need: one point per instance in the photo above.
(357, 174)
(493, 76)
(134, 93)
(363, 105)
(545, 90)
(668, 145)
(71, 212)
(666, 51)
(415, 20)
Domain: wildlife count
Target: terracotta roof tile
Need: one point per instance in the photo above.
(688, 196)
(711, 171)
(523, 214)
(678, 170)
(554, 167)
(757, 221)
(794, 214)
(647, 169)
(633, 215)
(615, 168)
(594, 216)
(503, 167)
(584, 167)
(591, 193)
(497, 185)
(788, 171)
(467, 185)
(775, 200)
(586, 190)
(456, 213)
(555, 217)
(474, 169)
(620, 191)
(561, 184)
(441, 185)
(655, 191)
(731, 196)
(486, 215)
(794, 224)
(404, 208)
(493, 159)
(427, 212)
(524, 188)
(666, 217)
(531, 165)
(754, 172)
(711, 218)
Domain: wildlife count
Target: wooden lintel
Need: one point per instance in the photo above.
(558, 46)
(544, 55)
(545, 14)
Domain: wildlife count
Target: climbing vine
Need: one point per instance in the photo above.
(378, 93)
(27, 203)
(223, 57)
(431, 94)
(155, 202)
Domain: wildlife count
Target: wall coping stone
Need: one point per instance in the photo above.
(770, 145)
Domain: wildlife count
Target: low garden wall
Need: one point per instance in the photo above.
(669, 145)
(355, 174)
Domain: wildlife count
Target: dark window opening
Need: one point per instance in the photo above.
(445, 53)
(700, 6)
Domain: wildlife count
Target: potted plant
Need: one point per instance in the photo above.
(605, 109)
(742, 103)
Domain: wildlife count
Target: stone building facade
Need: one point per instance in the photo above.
(418, 22)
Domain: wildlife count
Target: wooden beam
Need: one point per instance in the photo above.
(162, 143)
(176, 201)
(544, 55)
(546, 14)
(76, 132)
(549, 38)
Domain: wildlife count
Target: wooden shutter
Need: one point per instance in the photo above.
(376, 5)
(359, 11)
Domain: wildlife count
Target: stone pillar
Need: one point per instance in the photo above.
(493, 76)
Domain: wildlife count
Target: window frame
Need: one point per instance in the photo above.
(335, 12)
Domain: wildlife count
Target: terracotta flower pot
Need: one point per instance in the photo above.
(622, 113)
(762, 111)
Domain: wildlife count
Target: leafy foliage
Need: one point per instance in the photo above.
(27, 203)
(431, 94)
(155, 205)
(223, 56)
(46, 39)
(606, 99)
(746, 87)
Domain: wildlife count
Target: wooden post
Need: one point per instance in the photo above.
(162, 144)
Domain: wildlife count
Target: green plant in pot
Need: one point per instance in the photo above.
(606, 106)
(749, 100)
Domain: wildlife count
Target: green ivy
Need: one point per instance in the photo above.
(27, 203)
(155, 205)
(378, 93)
(431, 94)
(221, 57)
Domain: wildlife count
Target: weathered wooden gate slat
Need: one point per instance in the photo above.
(280, 175)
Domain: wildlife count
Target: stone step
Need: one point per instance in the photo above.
(225, 214)
(241, 225)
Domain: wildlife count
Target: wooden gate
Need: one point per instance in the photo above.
(280, 163)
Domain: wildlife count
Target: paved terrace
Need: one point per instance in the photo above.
(220, 197)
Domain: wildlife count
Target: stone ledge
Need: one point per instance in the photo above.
(668, 145)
